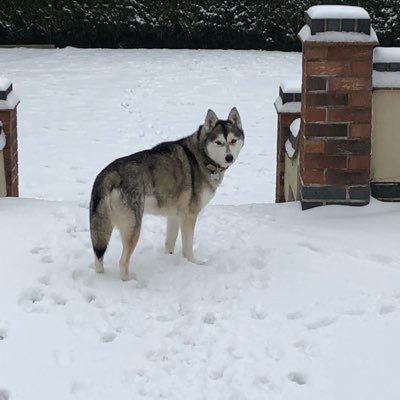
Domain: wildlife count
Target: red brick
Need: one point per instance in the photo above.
(360, 99)
(313, 176)
(326, 67)
(314, 146)
(361, 68)
(349, 84)
(354, 146)
(315, 83)
(312, 52)
(5, 115)
(351, 52)
(317, 162)
(346, 177)
(349, 114)
(285, 119)
(314, 114)
(318, 99)
(326, 129)
(359, 162)
(360, 130)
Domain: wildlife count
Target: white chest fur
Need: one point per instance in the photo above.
(206, 196)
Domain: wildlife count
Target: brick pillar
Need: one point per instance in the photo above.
(335, 143)
(8, 116)
(288, 108)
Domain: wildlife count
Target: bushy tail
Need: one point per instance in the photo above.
(100, 220)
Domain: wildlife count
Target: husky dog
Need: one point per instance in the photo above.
(173, 179)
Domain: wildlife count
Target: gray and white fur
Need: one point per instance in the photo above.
(174, 179)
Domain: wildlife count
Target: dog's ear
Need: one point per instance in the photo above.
(234, 117)
(211, 120)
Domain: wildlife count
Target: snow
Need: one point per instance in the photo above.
(335, 11)
(383, 79)
(127, 100)
(289, 148)
(289, 107)
(295, 127)
(4, 83)
(2, 141)
(2, 137)
(291, 86)
(387, 55)
(290, 305)
(11, 102)
(340, 37)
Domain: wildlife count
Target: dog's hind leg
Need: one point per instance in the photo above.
(172, 234)
(130, 236)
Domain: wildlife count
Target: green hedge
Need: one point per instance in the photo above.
(240, 24)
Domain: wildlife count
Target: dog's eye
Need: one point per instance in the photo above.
(233, 141)
(219, 143)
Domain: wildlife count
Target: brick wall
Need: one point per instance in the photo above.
(335, 143)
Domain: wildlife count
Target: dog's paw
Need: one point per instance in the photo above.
(98, 266)
(168, 249)
(197, 261)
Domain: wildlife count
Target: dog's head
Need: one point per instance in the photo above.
(223, 139)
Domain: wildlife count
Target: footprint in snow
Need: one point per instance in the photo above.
(257, 312)
(4, 394)
(301, 345)
(37, 250)
(58, 299)
(381, 258)
(76, 387)
(47, 259)
(298, 377)
(30, 298)
(84, 277)
(3, 334)
(89, 297)
(209, 318)
(310, 246)
(294, 315)
(216, 374)
(44, 280)
(387, 309)
(259, 281)
(321, 323)
(354, 312)
(108, 337)
(262, 381)
(258, 263)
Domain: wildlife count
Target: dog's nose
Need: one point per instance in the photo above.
(229, 158)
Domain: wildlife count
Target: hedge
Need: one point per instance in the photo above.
(240, 24)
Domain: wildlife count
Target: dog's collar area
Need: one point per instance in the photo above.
(215, 168)
(211, 165)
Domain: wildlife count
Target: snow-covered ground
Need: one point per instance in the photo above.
(291, 304)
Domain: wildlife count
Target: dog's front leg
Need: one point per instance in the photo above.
(172, 234)
(188, 222)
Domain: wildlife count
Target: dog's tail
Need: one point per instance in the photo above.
(100, 219)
